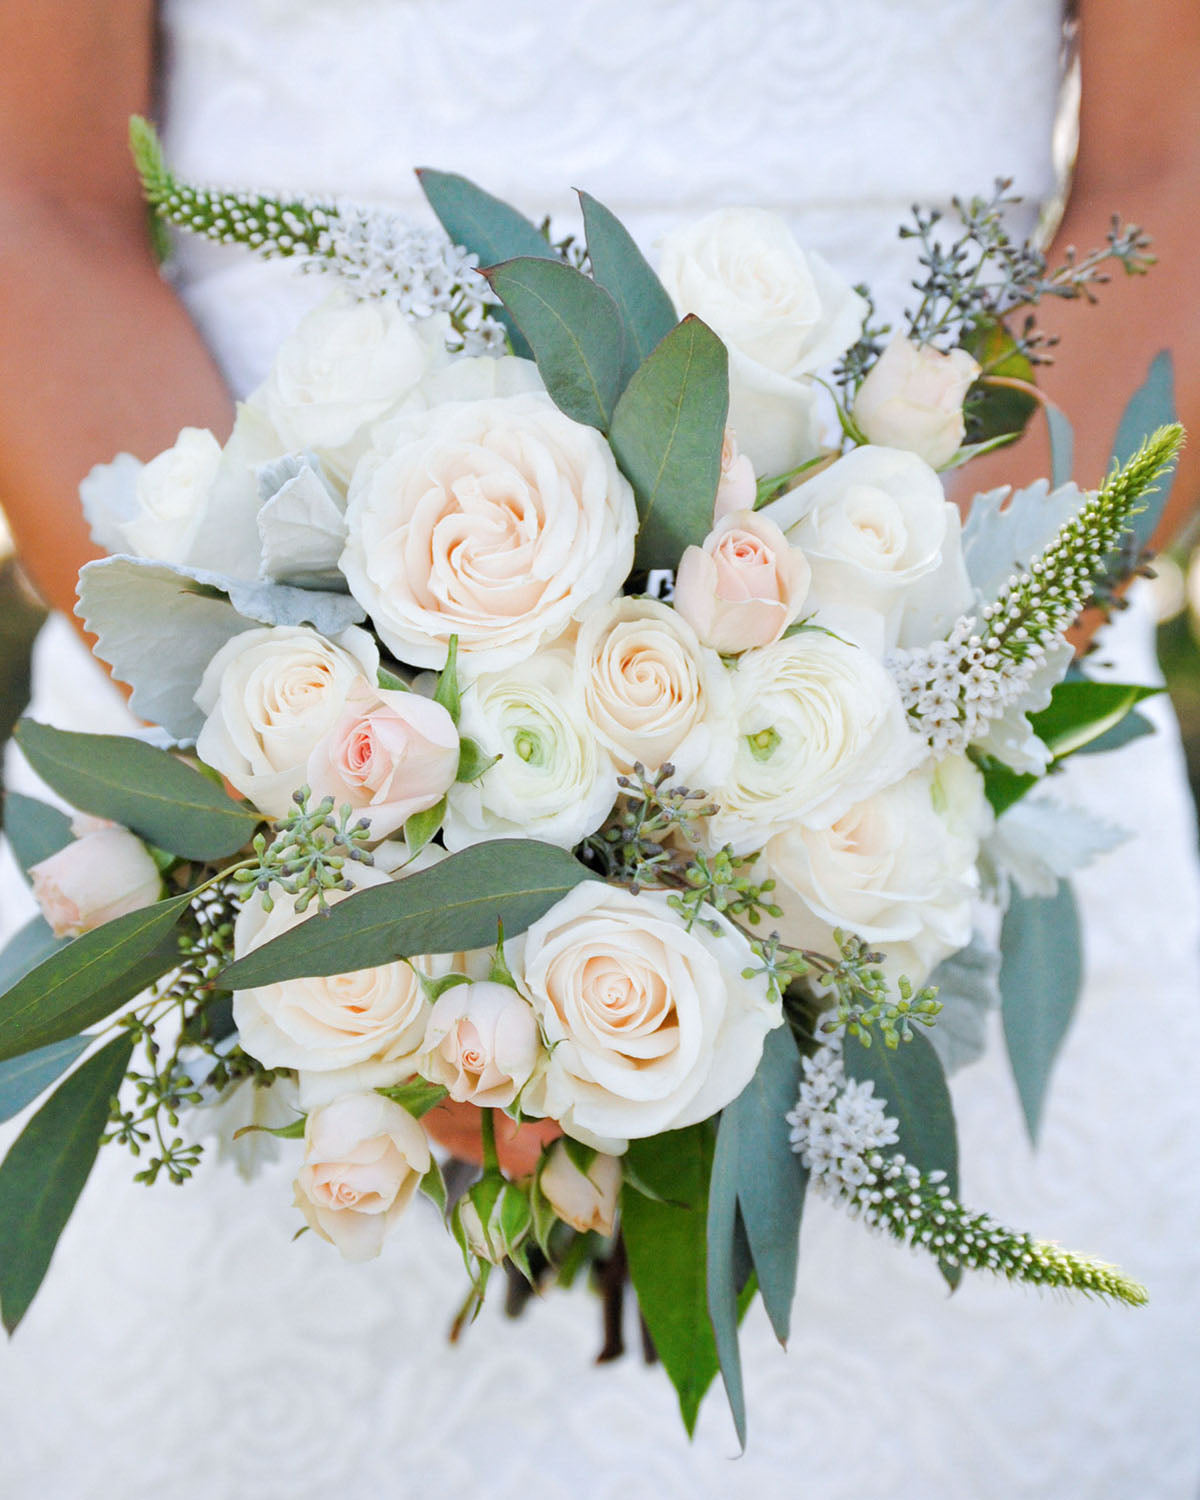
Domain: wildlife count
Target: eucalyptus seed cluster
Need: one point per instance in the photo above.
(307, 855)
(864, 1000)
(638, 845)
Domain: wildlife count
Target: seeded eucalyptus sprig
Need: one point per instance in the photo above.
(307, 855)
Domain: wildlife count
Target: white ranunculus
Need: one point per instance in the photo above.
(820, 727)
(898, 869)
(364, 1158)
(172, 493)
(104, 873)
(744, 586)
(554, 781)
(650, 1026)
(389, 753)
(270, 695)
(500, 521)
(913, 398)
(481, 1044)
(783, 314)
(587, 1201)
(883, 541)
(331, 1022)
(350, 363)
(652, 692)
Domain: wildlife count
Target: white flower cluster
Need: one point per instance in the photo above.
(838, 1124)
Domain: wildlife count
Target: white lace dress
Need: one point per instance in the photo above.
(181, 1345)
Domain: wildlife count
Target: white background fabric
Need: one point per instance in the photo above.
(181, 1344)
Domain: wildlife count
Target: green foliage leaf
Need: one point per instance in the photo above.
(1041, 969)
(665, 1242)
(146, 789)
(416, 1096)
(722, 1270)
(390, 682)
(421, 827)
(472, 760)
(912, 1080)
(1151, 406)
(22, 1079)
(1080, 711)
(447, 693)
(88, 979)
(574, 330)
(455, 905)
(1062, 445)
(667, 432)
(26, 949)
(34, 828)
(647, 313)
(45, 1170)
(996, 409)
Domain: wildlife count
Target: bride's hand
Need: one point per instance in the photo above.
(458, 1128)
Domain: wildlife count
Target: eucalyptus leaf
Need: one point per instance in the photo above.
(26, 949)
(454, 906)
(1062, 445)
(22, 1079)
(87, 980)
(1151, 406)
(1041, 971)
(967, 985)
(35, 829)
(148, 790)
(647, 312)
(721, 1272)
(667, 432)
(574, 329)
(665, 1242)
(45, 1170)
(1081, 711)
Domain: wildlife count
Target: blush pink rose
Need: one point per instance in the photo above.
(744, 586)
(392, 754)
(481, 1044)
(104, 874)
(737, 488)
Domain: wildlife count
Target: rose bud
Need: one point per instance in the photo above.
(584, 1200)
(913, 397)
(509, 1220)
(744, 586)
(105, 874)
(481, 1044)
(737, 488)
(392, 754)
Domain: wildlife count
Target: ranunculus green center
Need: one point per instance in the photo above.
(762, 745)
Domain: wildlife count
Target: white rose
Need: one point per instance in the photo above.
(782, 312)
(653, 693)
(172, 493)
(553, 781)
(364, 1158)
(372, 1017)
(744, 586)
(913, 398)
(481, 1044)
(650, 1026)
(392, 754)
(105, 873)
(350, 363)
(587, 1201)
(884, 544)
(820, 727)
(270, 695)
(499, 521)
(897, 869)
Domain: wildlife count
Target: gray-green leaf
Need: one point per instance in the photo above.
(35, 829)
(25, 950)
(22, 1079)
(1151, 406)
(647, 313)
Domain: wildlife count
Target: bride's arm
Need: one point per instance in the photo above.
(1139, 154)
(96, 353)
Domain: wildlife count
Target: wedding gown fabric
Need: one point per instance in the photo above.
(181, 1345)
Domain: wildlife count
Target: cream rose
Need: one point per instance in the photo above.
(105, 873)
(554, 780)
(364, 1158)
(372, 1019)
(270, 695)
(481, 1044)
(350, 363)
(744, 586)
(587, 1201)
(737, 488)
(171, 497)
(652, 692)
(897, 869)
(392, 754)
(884, 543)
(820, 727)
(782, 312)
(500, 521)
(650, 1026)
(913, 398)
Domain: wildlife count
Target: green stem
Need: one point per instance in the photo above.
(491, 1157)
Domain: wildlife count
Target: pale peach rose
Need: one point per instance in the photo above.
(584, 1200)
(364, 1158)
(389, 753)
(913, 399)
(105, 874)
(481, 1044)
(737, 488)
(744, 586)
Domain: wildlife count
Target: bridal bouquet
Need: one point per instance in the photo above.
(581, 723)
